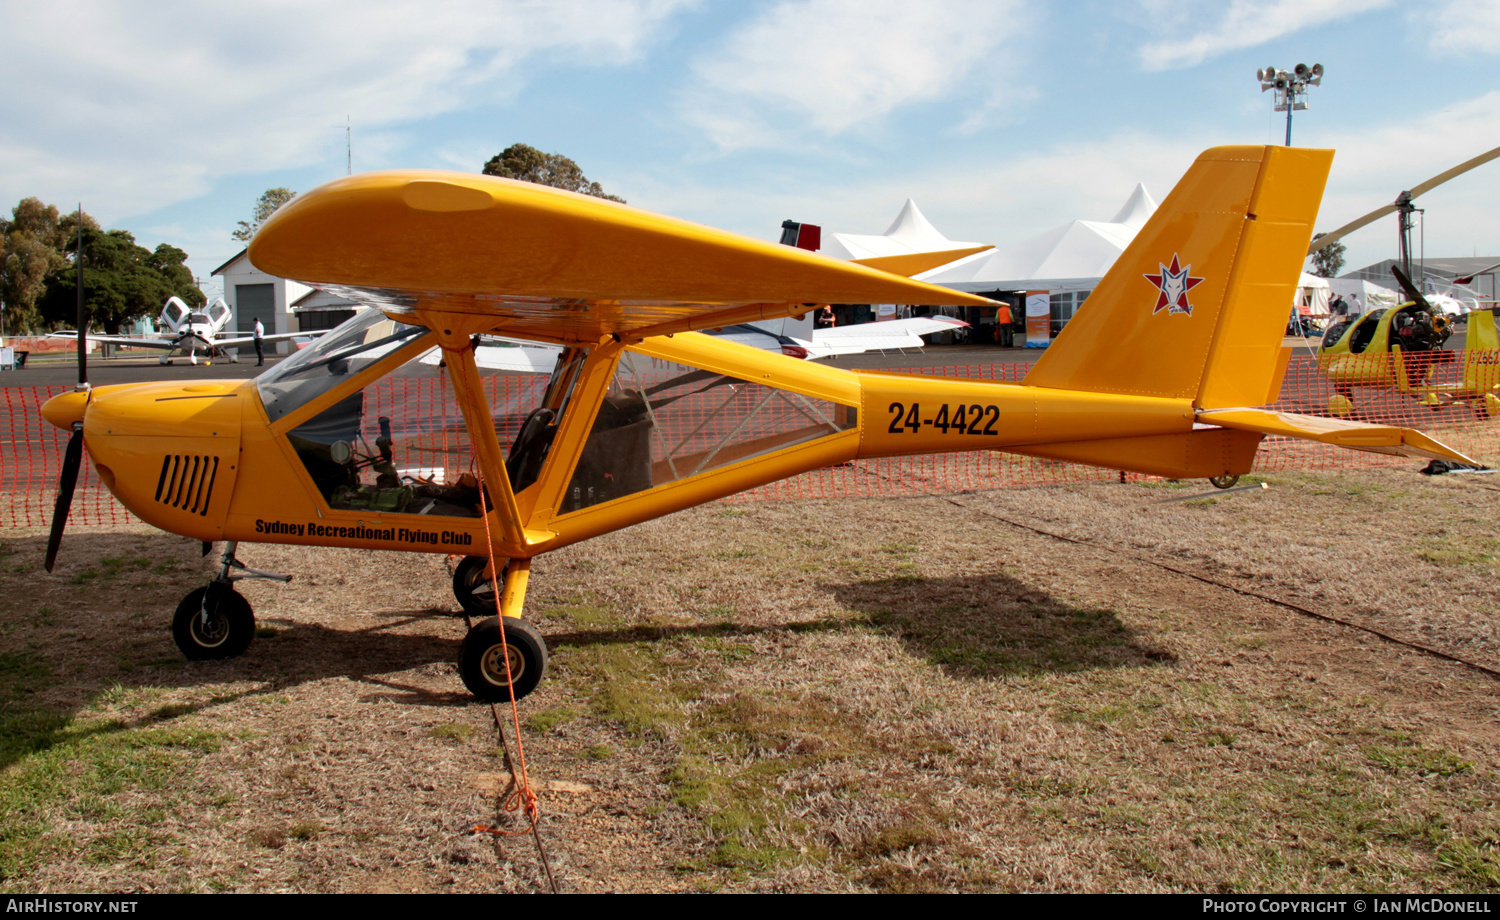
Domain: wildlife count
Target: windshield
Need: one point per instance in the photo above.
(198, 318)
(336, 357)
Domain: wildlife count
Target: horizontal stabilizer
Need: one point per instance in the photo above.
(1380, 439)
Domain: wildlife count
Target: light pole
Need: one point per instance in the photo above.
(1291, 89)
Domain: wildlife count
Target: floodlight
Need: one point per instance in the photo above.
(1291, 89)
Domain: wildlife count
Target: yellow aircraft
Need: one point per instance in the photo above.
(1162, 373)
(1402, 349)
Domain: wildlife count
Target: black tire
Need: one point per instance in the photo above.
(482, 665)
(1223, 482)
(473, 590)
(213, 623)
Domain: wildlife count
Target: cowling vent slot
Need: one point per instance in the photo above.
(187, 482)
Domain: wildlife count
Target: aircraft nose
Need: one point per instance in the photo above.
(64, 409)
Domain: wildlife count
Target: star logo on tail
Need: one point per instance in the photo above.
(1172, 287)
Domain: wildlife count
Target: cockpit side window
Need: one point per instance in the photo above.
(661, 422)
(534, 438)
(400, 445)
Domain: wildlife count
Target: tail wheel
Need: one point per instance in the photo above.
(482, 659)
(1224, 482)
(213, 623)
(473, 589)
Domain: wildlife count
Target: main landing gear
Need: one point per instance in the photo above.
(501, 654)
(215, 622)
(483, 659)
(474, 589)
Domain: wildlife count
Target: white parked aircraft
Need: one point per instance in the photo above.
(790, 336)
(189, 332)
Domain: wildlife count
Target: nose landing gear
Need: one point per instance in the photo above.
(215, 622)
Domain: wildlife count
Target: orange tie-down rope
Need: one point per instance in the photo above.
(524, 797)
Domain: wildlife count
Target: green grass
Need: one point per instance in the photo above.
(452, 731)
(88, 772)
(548, 719)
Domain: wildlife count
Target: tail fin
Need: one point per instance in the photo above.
(1195, 307)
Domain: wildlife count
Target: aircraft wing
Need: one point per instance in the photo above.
(133, 341)
(879, 336)
(250, 339)
(550, 264)
(1380, 439)
(514, 355)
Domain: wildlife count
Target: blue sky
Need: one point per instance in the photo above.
(1001, 118)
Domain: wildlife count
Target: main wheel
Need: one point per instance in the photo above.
(213, 623)
(482, 659)
(1223, 482)
(473, 589)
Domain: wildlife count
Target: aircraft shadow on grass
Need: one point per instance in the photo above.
(987, 626)
(973, 626)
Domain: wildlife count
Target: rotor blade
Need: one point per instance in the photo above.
(1469, 278)
(1328, 239)
(71, 461)
(1458, 170)
(1421, 189)
(1410, 289)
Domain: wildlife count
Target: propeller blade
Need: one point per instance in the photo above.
(1329, 239)
(1410, 289)
(1458, 170)
(72, 459)
(83, 326)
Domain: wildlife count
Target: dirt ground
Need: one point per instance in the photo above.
(927, 694)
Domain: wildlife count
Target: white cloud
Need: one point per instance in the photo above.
(1467, 25)
(832, 65)
(1246, 24)
(1005, 199)
(993, 199)
(133, 106)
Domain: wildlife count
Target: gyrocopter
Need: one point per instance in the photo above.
(1163, 373)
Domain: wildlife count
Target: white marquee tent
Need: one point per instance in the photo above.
(1312, 295)
(1073, 256)
(910, 233)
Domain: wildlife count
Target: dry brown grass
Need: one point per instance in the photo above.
(901, 695)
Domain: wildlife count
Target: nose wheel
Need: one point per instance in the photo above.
(215, 621)
(490, 647)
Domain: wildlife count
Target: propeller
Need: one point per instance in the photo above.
(1403, 201)
(1412, 294)
(73, 456)
(72, 459)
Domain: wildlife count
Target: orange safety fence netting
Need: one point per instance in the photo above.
(31, 450)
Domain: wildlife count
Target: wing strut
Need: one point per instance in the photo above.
(453, 333)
